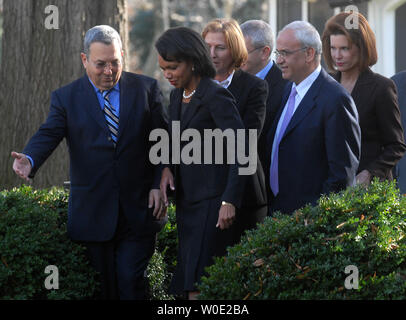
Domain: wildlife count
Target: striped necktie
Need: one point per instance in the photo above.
(111, 116)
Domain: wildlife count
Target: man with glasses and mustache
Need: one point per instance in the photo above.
(106, 117)
(314, 142)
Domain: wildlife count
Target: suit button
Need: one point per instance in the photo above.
(109, 138)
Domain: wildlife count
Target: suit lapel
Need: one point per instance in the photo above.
(92, 104)
(365, 80)
(194, 104)
(190, 111)
(235, 87)
(273, 76)
(307, 103)
(128, 94)
(284, 100)
(176, 101)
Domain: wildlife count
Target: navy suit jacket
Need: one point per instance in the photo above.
(276, 86)
(104, 177)
(400, 81)
(320, 150)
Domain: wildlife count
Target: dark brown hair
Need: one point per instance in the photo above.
(361, 35)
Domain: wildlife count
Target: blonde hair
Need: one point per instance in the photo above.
(234, 38)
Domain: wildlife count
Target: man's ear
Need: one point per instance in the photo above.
(266, 52)
(83, 57)
(310, 54)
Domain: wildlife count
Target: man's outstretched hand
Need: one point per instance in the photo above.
(21, 166)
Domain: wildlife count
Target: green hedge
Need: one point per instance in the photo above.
(163, 262)
(33, 236)
(304, 255)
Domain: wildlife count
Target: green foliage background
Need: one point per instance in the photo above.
(304, 256)
(33, 236)
(299, 256)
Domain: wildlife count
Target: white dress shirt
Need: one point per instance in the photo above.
(225, 83)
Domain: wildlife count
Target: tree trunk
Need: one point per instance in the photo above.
(37, 60)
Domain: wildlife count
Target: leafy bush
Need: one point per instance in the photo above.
(158, 278)
(33, 236)
(304, 255)
(167, 243)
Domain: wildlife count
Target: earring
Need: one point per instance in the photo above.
(193, 69)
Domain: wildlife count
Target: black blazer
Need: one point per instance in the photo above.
(319, 151)
(382, 140)
(103, 176)
(276, 86)
(211, 107)
(250, 94)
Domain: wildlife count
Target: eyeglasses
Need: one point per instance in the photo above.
(109, 65)
(254, 49)
(284, 53)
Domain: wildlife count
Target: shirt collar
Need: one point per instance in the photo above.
(305, 85)
(262, 74)
(225, 83)
(97, 90)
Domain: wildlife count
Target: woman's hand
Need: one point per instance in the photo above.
(364, 178)
(166, 179)
(226, 216)
(156, 201)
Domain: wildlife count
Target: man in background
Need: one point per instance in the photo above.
(259, 40)
(400, 169)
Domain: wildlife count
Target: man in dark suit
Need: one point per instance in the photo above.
(250, 94)
(259, 40)
(314, 143)
(400, 81)
(106, 117)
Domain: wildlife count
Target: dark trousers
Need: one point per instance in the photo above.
(121, 263)
(247, 218)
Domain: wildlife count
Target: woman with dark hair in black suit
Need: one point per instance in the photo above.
(206, 194)
(228, 53)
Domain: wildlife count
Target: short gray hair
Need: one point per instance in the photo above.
(306, 34)
(259, 32)
(104, 34)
